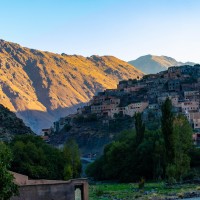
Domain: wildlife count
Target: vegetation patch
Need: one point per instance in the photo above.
(157, 190)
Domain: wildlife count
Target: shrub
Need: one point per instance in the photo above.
(99, 192)
(141, 184)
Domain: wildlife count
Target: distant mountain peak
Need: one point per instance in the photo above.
(151, 64)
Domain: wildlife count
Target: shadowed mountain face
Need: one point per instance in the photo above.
(42, 86)
(150, 64)
(10, 125)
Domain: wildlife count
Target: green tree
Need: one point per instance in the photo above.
(117, 155)
(96, 170)
(68, 173)
(158, 158)
(7, 186)
(33, 157)
(150, 154)
(167, 131)
(177, 134)
(130, 161)
(195, 158)
(139, 127)
(182, 145)
(72, 160)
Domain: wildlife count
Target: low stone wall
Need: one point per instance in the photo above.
(50, 189)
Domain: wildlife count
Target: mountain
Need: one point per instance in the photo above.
(10, 125)
(150, 64)
(42, 86)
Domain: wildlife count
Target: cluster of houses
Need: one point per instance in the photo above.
(180, 84)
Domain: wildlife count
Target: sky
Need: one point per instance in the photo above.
(126, 29)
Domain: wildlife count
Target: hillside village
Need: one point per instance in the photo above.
(146, 95)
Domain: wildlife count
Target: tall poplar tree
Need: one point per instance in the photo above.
(139, 127)
(72, 158)
(177, 134)
(167, 131)
(183, 145)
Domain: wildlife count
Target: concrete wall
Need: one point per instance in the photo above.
(49, 189)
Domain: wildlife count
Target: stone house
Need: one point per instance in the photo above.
(188, 86)
(133, 88)
(46, 131)
(115, 101)
(97, 99)
(194, 119)
(58, 125)
(117, 110)
(187, 69)
(133, 108)
(192, 95)
(153, 106)
(113, 111)
(174, 85)
(174, 70)
(96, 108)
(189, 106)
(104, 108)
(173, 98)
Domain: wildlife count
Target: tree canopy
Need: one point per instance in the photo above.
(7, 187)
(72, 159)
(33, 157)
(157, 154)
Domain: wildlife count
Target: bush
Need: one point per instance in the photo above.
(141, 184)
(171, 173)
(99, 192)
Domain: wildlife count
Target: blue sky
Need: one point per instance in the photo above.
(126, 29)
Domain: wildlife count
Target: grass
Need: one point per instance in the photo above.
(130, 191)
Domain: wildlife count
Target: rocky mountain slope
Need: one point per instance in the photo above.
(10, 125)
(42, 86)
(92, 135)
(150, 64)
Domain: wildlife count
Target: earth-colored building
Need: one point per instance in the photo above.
(75, 189)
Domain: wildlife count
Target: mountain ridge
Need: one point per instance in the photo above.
(150, 64)
(41, 86)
